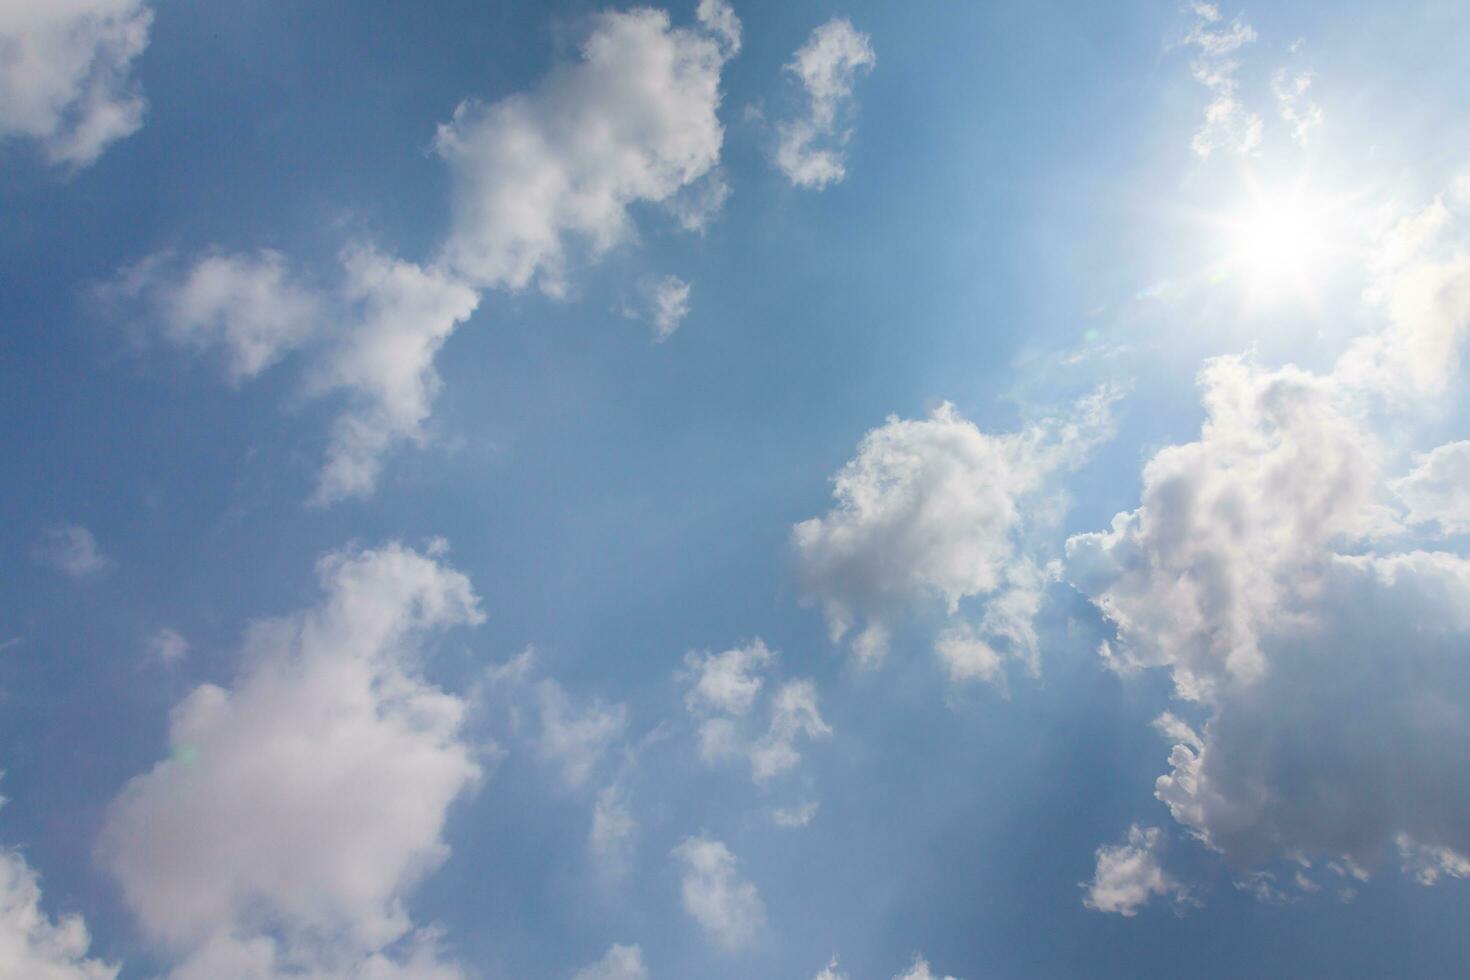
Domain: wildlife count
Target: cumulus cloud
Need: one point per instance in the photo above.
(575, 739)
(299, 806)
(920, 971)
(811, 149)
(620, 963)
(1264, 569)
(33, 945)
(727, 682)
(372, 339)
(830, 972)
(1228, 123)
(613, 832)
(72, 549)
(795, 816)
(634, 120)
(167, 646)
(728, 909)
(1438, 488)
(401, 314)
(1420, 284)
(931, 510)
(248, 308)
(1130, 874)
(663, 302)
(724, 688)
(65, 78)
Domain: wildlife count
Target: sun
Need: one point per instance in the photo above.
(1277, 244)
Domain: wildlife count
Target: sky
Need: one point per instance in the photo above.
(831, 491)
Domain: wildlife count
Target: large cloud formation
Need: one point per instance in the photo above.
(300, 805)
(932, 510)
(1321, 645)
(65, 74)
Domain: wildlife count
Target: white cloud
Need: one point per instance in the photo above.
(576, 739)
(620, 963)
(1233, 525)
(728, 909)
(1260, 569)
(1129, 875)
(663, 302)
(613, 832)
(32, 945)
(1228, 123)
(920, 971)
(633, 120)
(401, 314)
(723, 690)
(793, 715)
(1297, 108)
(248, 307)
(830, 972)
(373, 339)
(796, 816)
(72, 549)
(65, 76)
(931, 511)
(1420, 284)
(719, 18)
(167, 647)
(1438, 488)
(810, 149)
(301, 805)
(727, 682)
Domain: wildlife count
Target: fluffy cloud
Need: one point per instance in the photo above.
(401, 314)
(373, 338)
(634, 120)
(72, 549)
(613, 832)
(728, 909)
(248, 308)
(1263, 569)
(723, 690)
(576, 739)
(921, 971)
(931, 510)
(620, 963)
(1438, 489)
(167, 646)
(810, 149)
(829, 972)
(1129, 875)
(1228, 124)
(300, 806)
(663, 302)
(1234, 526)
(65, 75)
(32, 945)
(727, 682)
(1421, 286)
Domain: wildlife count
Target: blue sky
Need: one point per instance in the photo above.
(826, 491)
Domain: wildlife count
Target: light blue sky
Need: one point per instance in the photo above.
(1035, 222)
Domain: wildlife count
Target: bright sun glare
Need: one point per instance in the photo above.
(1277, 245)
